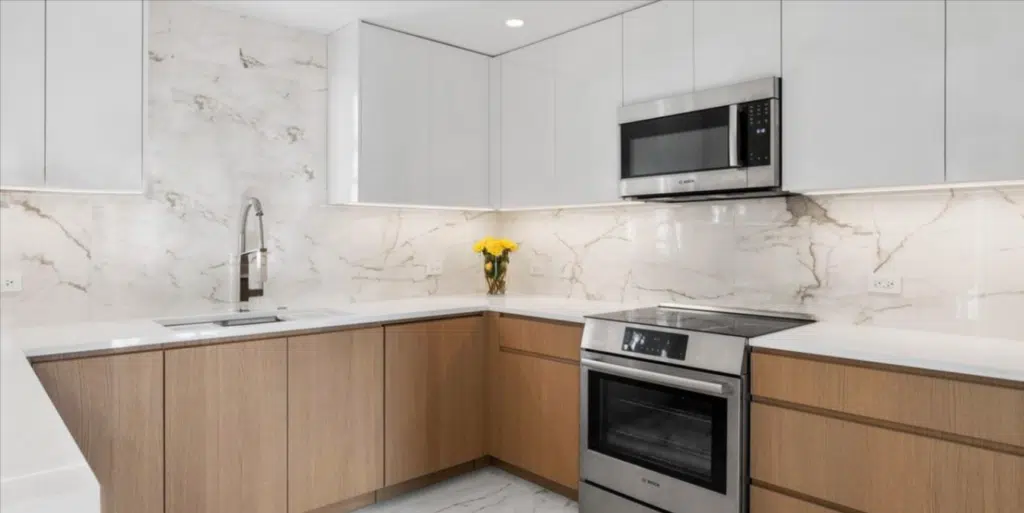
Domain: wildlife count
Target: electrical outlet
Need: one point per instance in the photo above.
(435, 268)
(536, 270)
(882, 284)
(10, 282)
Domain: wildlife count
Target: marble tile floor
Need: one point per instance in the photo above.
(488, 490)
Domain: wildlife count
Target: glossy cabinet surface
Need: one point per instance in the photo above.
(559, 128)
(95, 74)
(657, 45)
(984, 80)
(862, 94)
(736, 41)
(408, 120)
(22, 93)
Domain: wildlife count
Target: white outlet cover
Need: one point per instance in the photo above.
(10, 282)
(435, 268)
(883, 284)
(536, 270)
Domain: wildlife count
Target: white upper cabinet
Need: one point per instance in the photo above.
(735, 41)
(984, 83)
(528, 127)
(559, 128)
(657, 51)
(588, 92)
(862, 94)
(407, 120)
(22, 90)
(95, 74)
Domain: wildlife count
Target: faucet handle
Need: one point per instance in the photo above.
(258, 270)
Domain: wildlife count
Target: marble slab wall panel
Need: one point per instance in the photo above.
(236, 106)
(959, 254)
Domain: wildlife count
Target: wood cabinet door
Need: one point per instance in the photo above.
(864, 96)
(335, 417)
(537, 416)
(984, 78)
(22, 95)
(113, 407)
(433, 396)
(226, 408)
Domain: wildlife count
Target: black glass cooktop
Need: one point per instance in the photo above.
(732, 324)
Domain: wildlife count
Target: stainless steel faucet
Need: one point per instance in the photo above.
(250, 280)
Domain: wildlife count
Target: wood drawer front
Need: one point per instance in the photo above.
(876, 470)
(974, 410)
(540, 337)
(763, 500)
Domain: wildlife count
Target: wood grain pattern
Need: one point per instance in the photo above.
(969, 409)
(433, 396)
(766, 501)
(113, 407)
(349, 505)
(335, 417)
(537, 423)
(876, 470)
(226, 408)
(546, 338)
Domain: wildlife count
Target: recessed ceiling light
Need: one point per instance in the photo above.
(514, 22)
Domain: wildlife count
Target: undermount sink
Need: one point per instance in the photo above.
(240, 319)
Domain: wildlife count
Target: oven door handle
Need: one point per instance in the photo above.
(693, 385)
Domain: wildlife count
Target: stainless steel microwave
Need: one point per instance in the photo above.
(714, 143)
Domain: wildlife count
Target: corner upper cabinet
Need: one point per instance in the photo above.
(736, 41)
(984, 79)
(657, 46)
(559, 129)
(22, 93)
(95, 86)
(863, 99)
(407, 120)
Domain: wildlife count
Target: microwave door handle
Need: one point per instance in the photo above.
(693, 385)
(734, 135)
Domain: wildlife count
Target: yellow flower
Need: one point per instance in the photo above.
(509, 245)
(478, 246)
(488, 266)
(494, 247)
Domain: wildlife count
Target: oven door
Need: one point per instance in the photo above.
(665, 436)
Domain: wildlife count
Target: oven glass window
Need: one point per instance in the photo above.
(694, 141)
(673, 432)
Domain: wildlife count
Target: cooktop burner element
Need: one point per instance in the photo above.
(735, 323)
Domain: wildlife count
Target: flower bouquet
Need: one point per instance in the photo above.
(495, 252)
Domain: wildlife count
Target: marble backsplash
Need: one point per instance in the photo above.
(236, 105)
(959, 254)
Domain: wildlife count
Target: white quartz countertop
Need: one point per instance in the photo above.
(960, 354)
(41, 468)
(97, 337)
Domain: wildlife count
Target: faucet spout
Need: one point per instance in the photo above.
(251, 274)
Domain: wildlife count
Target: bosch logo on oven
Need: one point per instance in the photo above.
(649, 482)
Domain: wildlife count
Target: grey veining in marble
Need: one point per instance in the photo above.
(236, 105)
(488, 490)
(960, 255)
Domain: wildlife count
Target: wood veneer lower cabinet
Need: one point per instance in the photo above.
(878, 470)
(433, 396)
(536, 414)
(113, 407)
(226, 429)
(546, 338)
(335, 417)
(766, 501)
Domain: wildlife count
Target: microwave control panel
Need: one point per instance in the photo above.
(655, 343)
(756, 121)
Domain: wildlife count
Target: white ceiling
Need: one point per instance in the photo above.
(474, 25)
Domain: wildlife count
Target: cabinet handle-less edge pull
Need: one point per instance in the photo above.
(694, 385)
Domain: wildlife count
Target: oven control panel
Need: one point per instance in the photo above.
(655, 343)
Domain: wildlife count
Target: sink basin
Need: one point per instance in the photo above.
(240, 319)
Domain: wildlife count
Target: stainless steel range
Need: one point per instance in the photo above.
(663, 408)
